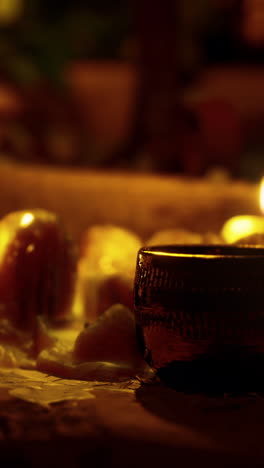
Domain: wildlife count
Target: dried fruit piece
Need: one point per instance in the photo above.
(106, 350)
(110, 338)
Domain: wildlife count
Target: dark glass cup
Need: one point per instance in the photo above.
(200, 315)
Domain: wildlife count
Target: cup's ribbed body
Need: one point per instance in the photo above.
(198, 304)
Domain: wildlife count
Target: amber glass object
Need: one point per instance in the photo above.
(200, 315)
(37, 269)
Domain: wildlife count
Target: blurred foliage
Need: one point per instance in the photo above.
(38, 37)
(195, 22)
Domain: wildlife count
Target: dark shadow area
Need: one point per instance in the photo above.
(216, 374)
(207, 394)
(231, 420)
(182, 408)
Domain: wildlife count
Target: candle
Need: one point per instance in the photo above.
(245, 226)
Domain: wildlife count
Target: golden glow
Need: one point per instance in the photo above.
(239, 227)
(9, 226)
(111, 250)
(10, 10)
(182, 255)
(5, 238)
(30, 248)
(242, 226)
(261, 195)
(26, 219)
(106, 264)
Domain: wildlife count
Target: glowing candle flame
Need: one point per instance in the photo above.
(261, 195)
(9, 226)
(240, 227)
(26, 219)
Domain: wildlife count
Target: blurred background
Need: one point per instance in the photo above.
(138, 85)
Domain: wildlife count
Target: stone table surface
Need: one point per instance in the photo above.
(150, 425)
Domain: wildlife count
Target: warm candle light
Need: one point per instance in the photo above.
(261, 195)
(26, 219)
(243, 226)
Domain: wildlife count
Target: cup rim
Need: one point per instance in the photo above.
(210, 252)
